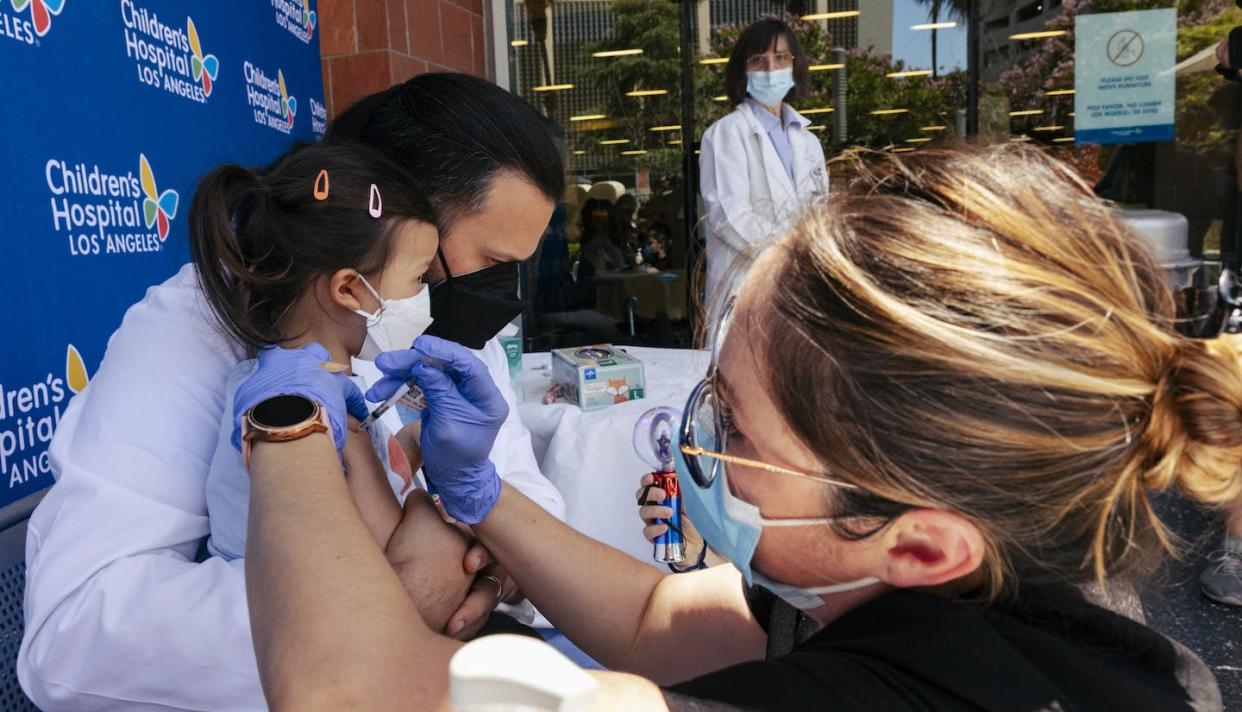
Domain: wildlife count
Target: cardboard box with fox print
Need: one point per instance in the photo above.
(597, 376)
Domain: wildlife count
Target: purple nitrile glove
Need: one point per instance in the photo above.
(464, 413)
(299, 372)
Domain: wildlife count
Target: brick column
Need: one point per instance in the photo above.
(369, 45)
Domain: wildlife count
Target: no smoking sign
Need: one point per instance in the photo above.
(1125, 47)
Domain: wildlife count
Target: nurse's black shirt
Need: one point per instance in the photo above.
(918, 651)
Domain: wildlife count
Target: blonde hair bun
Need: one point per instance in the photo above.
(972, 329)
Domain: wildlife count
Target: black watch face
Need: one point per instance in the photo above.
(283, 411)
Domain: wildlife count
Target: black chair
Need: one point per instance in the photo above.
(13, 520)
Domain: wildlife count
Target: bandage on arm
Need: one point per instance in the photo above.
(404, 454)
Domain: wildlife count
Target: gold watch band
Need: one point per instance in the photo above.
(253, 430)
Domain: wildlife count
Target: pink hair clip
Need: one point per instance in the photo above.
(321, 185)
(376, 205)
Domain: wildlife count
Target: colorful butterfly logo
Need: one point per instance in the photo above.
(288, 104)
(41, 11)
(156, 207)
(205, 68)
(309, 17)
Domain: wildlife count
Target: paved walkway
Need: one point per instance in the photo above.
(1175, 606)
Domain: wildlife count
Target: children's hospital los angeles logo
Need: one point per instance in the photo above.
(158, 209)
(269, 98)
(297, 17)
(168, 57)
(29, 20)
(107, 212)
(204, 67)
(29, 416)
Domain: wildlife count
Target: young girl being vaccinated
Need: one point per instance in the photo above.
(328, 247)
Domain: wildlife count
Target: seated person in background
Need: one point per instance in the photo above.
(656, 240)
(598, 246)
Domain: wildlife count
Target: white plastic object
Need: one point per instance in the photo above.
(512, 673)
(1164, 231)
(1166, 234)
(609, 190)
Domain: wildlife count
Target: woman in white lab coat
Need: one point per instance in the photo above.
(759, 165)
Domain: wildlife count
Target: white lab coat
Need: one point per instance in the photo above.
(748, 198)
(118, 614)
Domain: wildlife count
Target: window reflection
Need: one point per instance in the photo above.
(1028, 68)
(890, 75)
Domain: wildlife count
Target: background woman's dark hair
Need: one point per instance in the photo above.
(757, 39)
(624, 214)
(453, 132)
(589, 225)
(258, 239)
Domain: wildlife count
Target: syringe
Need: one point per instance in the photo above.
(408, 395)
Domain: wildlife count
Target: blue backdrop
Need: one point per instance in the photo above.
(110, 110)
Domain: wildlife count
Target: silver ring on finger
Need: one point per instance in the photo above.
(500, 586)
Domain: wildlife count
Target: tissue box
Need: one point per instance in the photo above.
(597, 376)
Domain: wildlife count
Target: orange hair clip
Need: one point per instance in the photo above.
(321, 185)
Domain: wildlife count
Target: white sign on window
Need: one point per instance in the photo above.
(1124, 77)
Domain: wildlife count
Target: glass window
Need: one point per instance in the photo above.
(1030, 69)
(1030, 11)
(623, 259)
(612, 267)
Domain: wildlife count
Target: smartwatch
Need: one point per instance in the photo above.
(281, 419)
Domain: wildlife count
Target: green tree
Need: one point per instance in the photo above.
(653, 26)
(1198, 128)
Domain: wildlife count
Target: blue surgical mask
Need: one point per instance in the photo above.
(769, 88)
(732, 527)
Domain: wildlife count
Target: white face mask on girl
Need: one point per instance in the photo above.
(396, 323)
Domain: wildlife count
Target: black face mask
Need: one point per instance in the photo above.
(473, 308)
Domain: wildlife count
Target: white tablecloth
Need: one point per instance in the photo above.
(590, 456)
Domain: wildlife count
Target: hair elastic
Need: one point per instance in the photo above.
(376, 205)
(321, 185)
